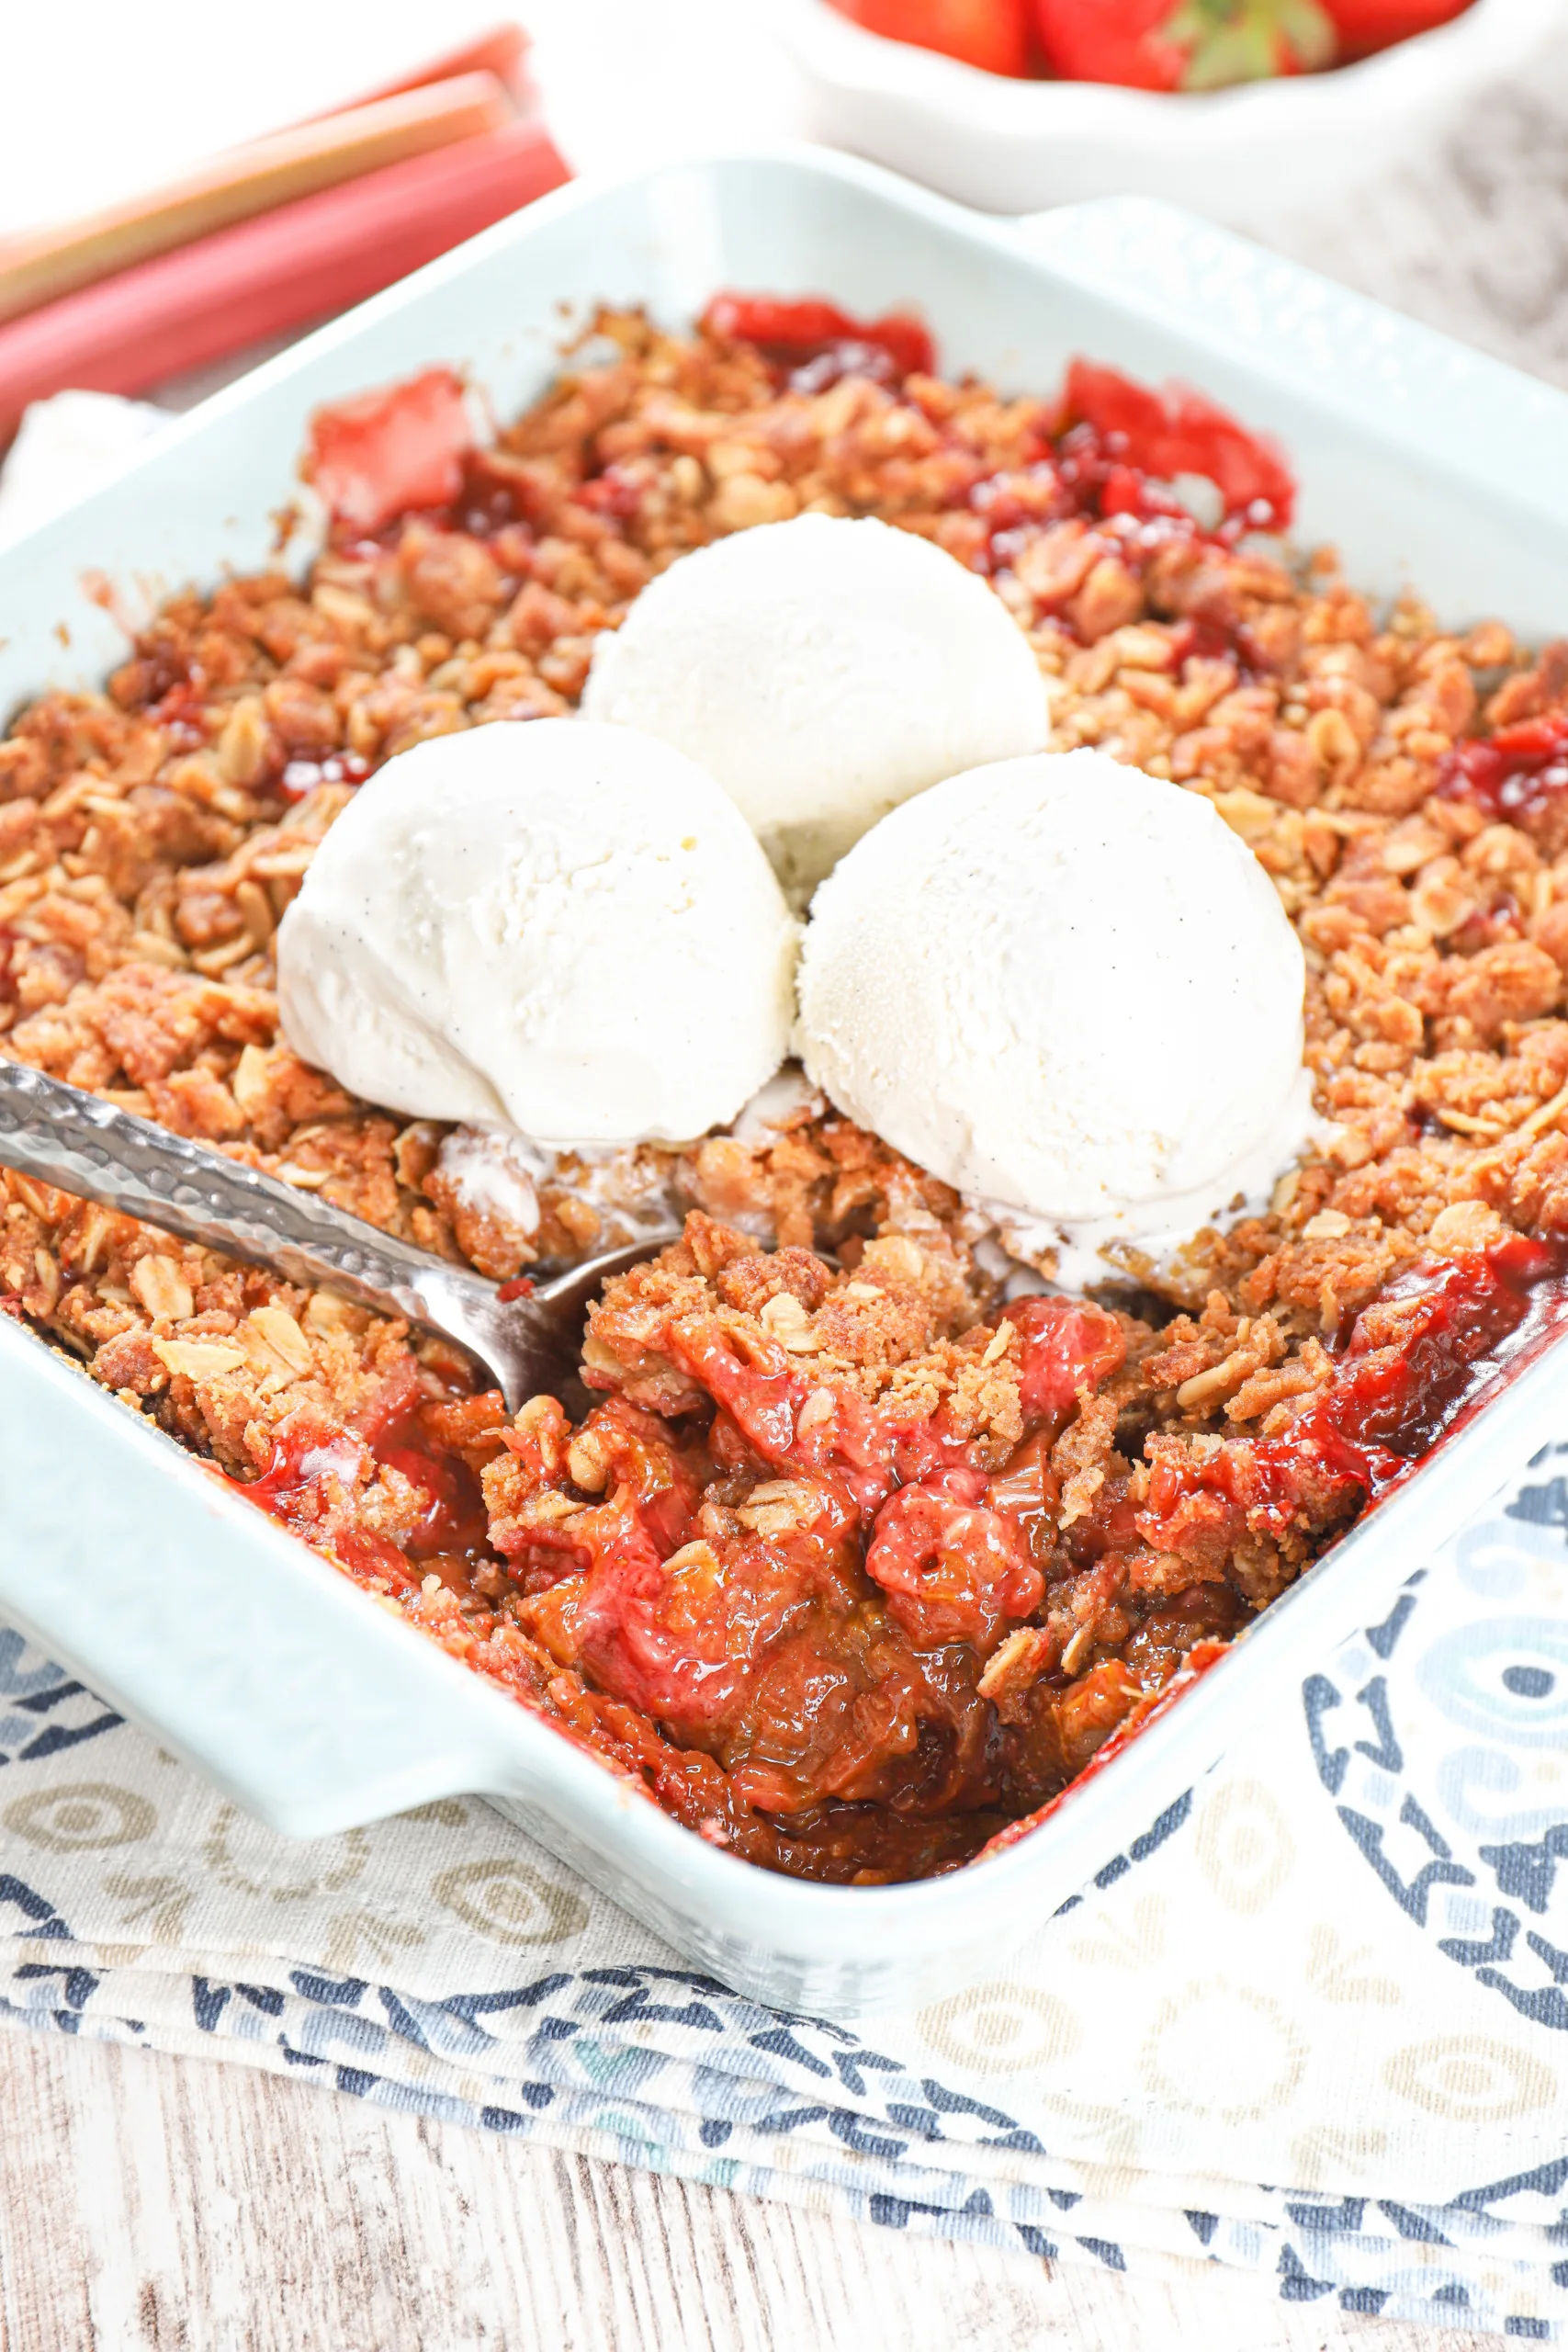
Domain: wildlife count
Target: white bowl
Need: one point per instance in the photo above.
(1012, 146)
(193, 1613)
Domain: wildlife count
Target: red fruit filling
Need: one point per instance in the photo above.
(883, 1632)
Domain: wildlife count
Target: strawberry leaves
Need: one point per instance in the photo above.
(1247, 40)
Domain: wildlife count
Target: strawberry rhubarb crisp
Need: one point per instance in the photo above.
(870, 1539)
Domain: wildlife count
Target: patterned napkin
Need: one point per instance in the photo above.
(1339, 1967)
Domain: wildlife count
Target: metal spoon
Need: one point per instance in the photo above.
(86, 1147)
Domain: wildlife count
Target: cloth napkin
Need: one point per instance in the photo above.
(1312, 2025)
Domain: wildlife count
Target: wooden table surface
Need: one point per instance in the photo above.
(186, 2206)
(157, 2204)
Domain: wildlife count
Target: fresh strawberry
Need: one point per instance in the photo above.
(1366, 25)
(992, 34)
(1187, 44)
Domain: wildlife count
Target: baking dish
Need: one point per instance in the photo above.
(159, 1584)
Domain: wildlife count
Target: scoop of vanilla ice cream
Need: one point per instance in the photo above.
(823, 671)
(1065, 987)
(562, 928)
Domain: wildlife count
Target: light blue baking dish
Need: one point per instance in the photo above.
(238, 1647)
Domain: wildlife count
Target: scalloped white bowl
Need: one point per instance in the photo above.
(1014, 146)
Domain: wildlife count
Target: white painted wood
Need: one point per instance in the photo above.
(157, 2204)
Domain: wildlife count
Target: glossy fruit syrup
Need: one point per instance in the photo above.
(1410, 1362)
(320, 1471)
(1517, 776)
(812, 343)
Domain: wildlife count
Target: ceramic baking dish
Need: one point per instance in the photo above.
(229, 1640)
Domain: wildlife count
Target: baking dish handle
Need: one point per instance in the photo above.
(185, 1607)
